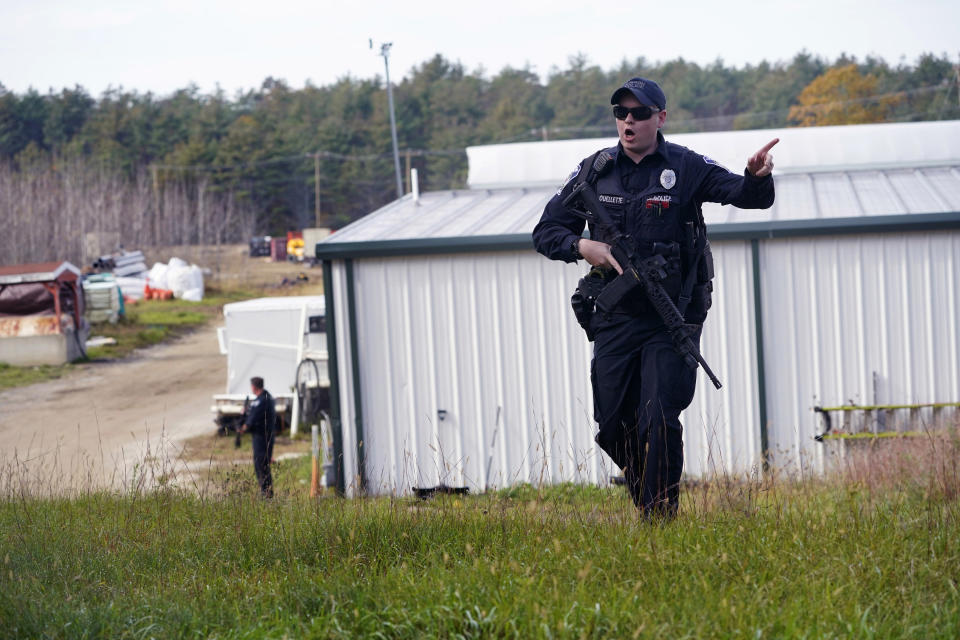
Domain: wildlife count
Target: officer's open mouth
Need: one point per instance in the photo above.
(628, 132)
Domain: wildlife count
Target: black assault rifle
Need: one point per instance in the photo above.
(646, 273)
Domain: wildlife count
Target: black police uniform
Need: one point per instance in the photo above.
(261, 422)
(640, 383)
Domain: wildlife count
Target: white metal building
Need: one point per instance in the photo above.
(456, 359)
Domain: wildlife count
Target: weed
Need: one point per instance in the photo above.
(11, 376)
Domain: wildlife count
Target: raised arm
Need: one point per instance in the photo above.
(752, 190)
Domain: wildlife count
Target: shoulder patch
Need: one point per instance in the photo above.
(572, 175)
(710, 160)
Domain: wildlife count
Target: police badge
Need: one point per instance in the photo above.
(668, 178)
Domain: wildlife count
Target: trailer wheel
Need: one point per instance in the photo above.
(311, 397)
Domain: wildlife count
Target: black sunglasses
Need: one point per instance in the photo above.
(643, 112)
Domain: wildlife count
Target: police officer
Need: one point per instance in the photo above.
(261, 421)
(653, 190)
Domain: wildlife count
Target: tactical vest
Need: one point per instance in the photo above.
(661, 221)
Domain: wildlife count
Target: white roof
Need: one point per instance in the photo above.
(800, 196)
(276, 303)
(801, 149)
(38, 272)
(864, 171)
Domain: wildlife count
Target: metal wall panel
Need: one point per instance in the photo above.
(862, 320)
(474, 372)
(489, 340)
(345, 379)
(722, 428)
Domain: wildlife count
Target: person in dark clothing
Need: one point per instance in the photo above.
(654, 190)
(261, 422)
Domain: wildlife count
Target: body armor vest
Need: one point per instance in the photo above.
(664, 221)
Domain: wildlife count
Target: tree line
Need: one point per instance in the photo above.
(192, 167)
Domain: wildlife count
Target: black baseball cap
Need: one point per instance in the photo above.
(646, 91)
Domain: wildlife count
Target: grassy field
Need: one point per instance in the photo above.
(865, 555)
(11, 376)
(218, 451)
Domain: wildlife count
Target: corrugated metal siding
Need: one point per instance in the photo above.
(722, 428)
(490, 340)
(862, 320)
(345, 378)
(468, 336)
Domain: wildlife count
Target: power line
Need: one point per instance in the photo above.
(329, 155)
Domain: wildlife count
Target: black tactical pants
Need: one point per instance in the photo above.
(262, 454)
(640, 386)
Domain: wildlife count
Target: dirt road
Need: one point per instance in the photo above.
(111, 424)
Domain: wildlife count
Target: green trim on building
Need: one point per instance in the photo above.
(423, 246)
(901, 223)
(355, 368)
(761, 370)
(333, 370)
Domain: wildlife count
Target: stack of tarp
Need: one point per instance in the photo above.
(102, 297)
(184, 280)
(130, 270)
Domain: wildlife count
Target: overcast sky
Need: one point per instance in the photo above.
(163, 46)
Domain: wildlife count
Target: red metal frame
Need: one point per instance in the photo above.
(67, 277)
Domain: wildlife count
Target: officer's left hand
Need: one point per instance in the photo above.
(760, 164)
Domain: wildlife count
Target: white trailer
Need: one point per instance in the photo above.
(283, 340)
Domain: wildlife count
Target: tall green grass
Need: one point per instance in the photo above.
(853, 555)
(151, 322)
(14, 376)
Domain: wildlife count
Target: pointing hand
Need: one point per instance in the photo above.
(760, 164)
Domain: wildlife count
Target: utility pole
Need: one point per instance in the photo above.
(385, 52)
(154, 174)
(316, 190)
(956, 72)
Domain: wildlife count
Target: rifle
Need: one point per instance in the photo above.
(243, 423)
(646, 273)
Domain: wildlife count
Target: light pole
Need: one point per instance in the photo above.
(385, 52)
